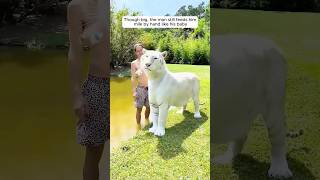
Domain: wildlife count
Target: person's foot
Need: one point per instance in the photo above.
(146, 120)
(138, 127)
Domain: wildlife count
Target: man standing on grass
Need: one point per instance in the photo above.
(140, 89)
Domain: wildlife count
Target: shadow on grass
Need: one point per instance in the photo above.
(169, 145)
(248, 168)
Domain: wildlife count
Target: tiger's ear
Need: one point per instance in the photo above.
(164, 54)
(144, 51)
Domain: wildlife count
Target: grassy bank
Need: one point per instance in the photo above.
(184, 150)
(297, 34)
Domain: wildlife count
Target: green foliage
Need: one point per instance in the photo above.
(201, 30)
(148, 40)
(184, 46)
(195, 51)
(192, 11)
(122, 40)
(201, 53)
(189, 51)
(165, 45)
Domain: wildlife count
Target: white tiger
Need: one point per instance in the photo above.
(249, 76)
(167, 89)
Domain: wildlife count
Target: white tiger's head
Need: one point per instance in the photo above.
(152, 62)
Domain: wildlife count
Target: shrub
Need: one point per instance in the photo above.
(148, 40)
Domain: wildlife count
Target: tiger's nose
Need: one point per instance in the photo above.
(148, 64)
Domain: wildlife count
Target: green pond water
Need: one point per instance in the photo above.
(122, 111)
(37, 132)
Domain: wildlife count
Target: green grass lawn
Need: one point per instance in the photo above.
(298, 35)
(184, 151)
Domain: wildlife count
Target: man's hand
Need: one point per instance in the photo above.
(138, 73)
(81, 109)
